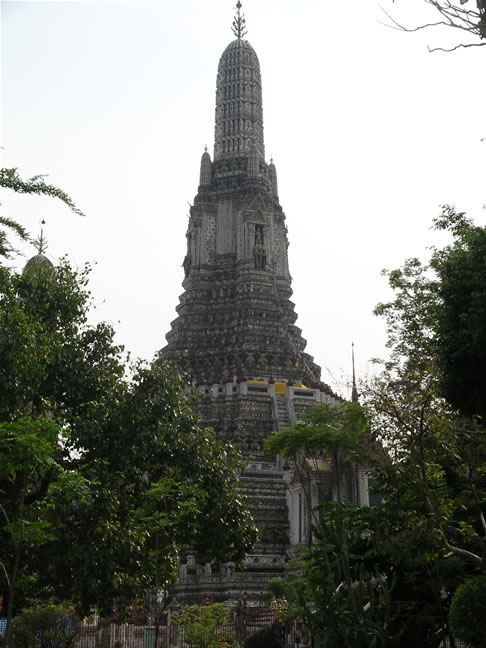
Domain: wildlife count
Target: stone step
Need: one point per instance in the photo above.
(248, 489)
(281, 413)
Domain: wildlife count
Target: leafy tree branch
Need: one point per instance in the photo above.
(10, 179)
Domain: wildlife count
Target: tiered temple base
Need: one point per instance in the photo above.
(246, 413)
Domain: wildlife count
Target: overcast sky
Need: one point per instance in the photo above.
(369, 132)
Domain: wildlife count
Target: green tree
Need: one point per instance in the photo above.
(326, 431)
(158, 485)
(27, 464)
(10, 179)
(461, 313)
(201, 624)
(39, 315)
(431, 451)
(432, 462)
(342, 601)
(396, 589)
(467, 612)
(132, 482)
(428, 463)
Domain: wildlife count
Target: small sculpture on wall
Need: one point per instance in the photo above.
(259, 249)
(186, 264)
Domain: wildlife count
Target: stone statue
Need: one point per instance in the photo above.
(259, 251)
(186, 264)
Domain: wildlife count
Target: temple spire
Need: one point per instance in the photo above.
(41, 243)
(206, 173)
(354, 391)
(239, 23)
(239, 112)
(39, 260)
(272, 171)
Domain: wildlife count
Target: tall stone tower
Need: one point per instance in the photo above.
(235, 331)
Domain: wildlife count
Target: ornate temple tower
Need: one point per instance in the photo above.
(235, 331)
(236, 319)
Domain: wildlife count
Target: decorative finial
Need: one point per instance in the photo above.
(205, 148)
(41, 243)
(354, 391)
(239, 23)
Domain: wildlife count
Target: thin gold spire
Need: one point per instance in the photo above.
(239, 23)
(41, 243)
(354, 391)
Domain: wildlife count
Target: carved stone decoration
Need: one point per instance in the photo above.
(187, 264)
(259, 249)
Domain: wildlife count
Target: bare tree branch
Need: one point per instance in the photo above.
(453, 16)
(453, 49)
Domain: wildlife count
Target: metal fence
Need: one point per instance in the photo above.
(166, 634)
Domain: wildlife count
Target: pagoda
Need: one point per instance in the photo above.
(235, 333)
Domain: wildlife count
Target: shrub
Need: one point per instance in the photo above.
(466, 616)
(201, 624)
(45, 626)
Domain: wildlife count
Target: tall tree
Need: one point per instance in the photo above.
(27, 465)
(157, 484)
(334, 595)
(133, 480)
(461, 313)
(433, 461)
(428, 462)
(431, 451)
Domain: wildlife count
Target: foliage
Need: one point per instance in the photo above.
(6, 249)
(133, 480)
(45, 626)
(456, 14)
(201, 624)
(429, 461)
(341, 600)
(50, 359)
(410, 317)
(53, 369)
(325, 428)
(346, 599)
(399, 587)
(432, 454)
(467, 612)
(406, 556)
(27, 465)
(461, 314)
(332, 431)
(158, 485)
(10, 179)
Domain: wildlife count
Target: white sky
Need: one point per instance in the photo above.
(369, 132)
